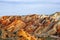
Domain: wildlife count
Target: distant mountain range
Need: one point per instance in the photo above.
(56, 15)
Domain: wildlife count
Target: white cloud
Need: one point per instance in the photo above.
(20, 0)
(51, 0)
(32, 0)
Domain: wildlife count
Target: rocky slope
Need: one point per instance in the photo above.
(30, 27)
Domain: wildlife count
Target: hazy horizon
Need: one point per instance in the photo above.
(24, 7)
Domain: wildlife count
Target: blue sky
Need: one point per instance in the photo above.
(24, 7)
